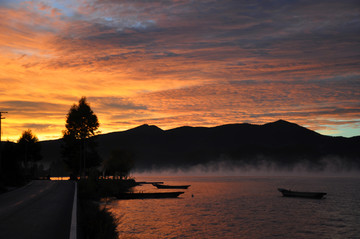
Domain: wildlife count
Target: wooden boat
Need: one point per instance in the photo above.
(148, 195)
(150, 183)
(290, 193)
(162, 186)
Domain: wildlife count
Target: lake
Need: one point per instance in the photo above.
(243, 207)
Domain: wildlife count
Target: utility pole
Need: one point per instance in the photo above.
(1, 117)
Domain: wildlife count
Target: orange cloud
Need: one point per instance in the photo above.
(171, 63)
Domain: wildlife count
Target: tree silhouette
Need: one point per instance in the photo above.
(79, 147)
(119, 164)
(29, 150)
(13, 173)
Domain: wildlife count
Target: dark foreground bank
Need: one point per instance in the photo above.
(95, 221)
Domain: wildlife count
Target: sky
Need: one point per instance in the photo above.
(172, 63)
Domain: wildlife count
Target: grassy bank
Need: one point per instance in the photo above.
(95, 221)
(9, 184)
(99, 188)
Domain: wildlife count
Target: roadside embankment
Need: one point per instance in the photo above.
(95, 221)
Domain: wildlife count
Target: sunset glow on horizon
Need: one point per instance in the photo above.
(180, 62)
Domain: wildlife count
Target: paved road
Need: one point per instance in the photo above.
(39, 210)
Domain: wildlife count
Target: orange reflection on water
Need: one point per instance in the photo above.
(59, 178)
(205, 210)
(242, 207)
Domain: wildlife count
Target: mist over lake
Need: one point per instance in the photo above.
(273, 147)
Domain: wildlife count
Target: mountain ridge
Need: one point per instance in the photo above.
(281, 143)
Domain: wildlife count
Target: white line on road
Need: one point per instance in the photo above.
(73, 228)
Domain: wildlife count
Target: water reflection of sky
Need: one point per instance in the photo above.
(242, 208)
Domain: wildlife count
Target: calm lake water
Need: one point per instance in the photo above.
(243, 207)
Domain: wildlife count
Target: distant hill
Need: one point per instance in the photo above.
(278, 144)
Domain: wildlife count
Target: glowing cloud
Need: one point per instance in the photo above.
(172, 63)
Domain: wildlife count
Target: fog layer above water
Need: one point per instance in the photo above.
(328, 168)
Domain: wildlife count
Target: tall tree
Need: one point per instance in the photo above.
(79, 147)
(29, 150)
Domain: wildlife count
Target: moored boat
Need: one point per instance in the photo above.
(162, 186)
(140, 183)
(290, 193)
(148, 195)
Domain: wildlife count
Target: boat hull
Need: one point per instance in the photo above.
(161, 186)
(289, 193)
(148, 195)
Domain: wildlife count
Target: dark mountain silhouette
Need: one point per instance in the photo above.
(281, 144)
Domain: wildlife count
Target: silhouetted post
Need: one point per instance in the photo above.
(26, 155)
(82, 159)
(84, 155)
(1, 117)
